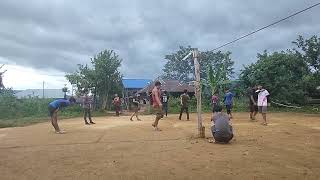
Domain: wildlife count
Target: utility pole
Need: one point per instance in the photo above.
(201, 128)
(43, 90)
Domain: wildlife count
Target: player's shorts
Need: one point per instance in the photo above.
(262, 109)
(253, 108)
(229, 108)
(51, 110)
(158, 112)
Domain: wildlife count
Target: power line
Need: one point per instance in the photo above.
(253, 32)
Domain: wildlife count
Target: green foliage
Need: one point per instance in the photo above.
(103, 79)
(290, 76)
(183, 70)
(309, 50)
(217, 79)
(281, 73)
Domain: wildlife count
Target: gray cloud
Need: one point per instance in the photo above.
(60, 34)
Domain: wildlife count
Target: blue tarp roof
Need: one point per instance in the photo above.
(135, 83)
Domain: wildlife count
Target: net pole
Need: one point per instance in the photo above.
(198, 91)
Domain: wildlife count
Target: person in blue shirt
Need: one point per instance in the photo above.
(54, 107)
(228, 101)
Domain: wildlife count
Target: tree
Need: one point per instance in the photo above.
(103, 78)
(217, 79)
(282, 73)
(309, 50)
(183, 70)
(107, 77)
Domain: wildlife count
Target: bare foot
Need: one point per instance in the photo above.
(131, 119)
(264, 124)
(139, 120)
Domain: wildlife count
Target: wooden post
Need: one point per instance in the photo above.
(198, 91)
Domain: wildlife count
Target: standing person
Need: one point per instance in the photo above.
(221, 127)
(117, 103)
(228, 101)
(136, 107)
(157, 105)
(263, 95)
(253, 100)
(87, 106)
(184, 102)
(54, 107)
(165, 99)
(215, 100)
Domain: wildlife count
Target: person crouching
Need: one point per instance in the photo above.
(221, 126)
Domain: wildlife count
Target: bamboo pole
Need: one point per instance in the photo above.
(201, 128)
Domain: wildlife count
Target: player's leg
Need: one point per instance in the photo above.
(181, 111)
(133, 114)
(159, 115)
(54, 122)
(137, 114)
(85, 116)
(251, 106)
(228, 110)
(89, 113)
(255, 112)
(264, 115)
(187, 111)
(117, 111)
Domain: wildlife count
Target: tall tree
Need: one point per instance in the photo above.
(309, 50)
(103, 78)
(282, 73)
(107, 76)
(183, 70)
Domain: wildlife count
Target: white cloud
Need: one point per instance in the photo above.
(20, 78)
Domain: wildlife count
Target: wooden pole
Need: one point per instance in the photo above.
(198, 91)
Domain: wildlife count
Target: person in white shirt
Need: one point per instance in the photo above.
(263, 103)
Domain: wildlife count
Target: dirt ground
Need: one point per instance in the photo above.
(115, 148)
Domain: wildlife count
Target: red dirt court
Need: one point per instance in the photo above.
(115, 148)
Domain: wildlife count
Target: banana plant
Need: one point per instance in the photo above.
(217, 79)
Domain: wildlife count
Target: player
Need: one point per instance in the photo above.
(228, 101)
(221, 127)
(157, 105)
(136, 108)
(253, 100)
(165, 99)
(117, 103)
(54, 108)
(215, 100)
(184, 102)
(263, 95)
(87, 106)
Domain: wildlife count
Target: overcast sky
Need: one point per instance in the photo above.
(42, 40)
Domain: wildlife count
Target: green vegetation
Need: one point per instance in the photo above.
(21, 112)
(102, 77)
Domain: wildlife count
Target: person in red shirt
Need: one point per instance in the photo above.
(117, 103)
(157, 105)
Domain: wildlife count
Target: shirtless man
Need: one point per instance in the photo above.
(157, 105)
